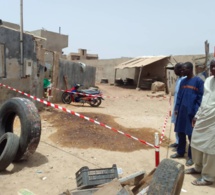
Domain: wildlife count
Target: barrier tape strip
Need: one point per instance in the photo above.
(164, 128)
(79, 93)
(77, 114)
(84, 94)
(112, 97)
(165, 121)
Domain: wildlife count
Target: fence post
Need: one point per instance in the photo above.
(157, 150)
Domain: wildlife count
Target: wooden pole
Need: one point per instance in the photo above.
(115, 76)
(138, 82)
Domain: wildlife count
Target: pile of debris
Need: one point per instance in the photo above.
(167, 178)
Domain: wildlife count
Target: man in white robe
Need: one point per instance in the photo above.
(203, 136)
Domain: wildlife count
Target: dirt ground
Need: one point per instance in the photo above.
(79, 133)
(69, 142)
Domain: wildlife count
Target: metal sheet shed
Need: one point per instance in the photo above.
(139, 62)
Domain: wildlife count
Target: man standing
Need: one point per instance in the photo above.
(177, 70)
(203, 138)
(187, 104)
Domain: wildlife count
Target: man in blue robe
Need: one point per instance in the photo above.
(188, 101)
(177, 70)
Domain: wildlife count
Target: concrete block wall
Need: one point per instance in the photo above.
(31, 84)
(105, 68)
(54, 41)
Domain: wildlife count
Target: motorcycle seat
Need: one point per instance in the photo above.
(92, 92)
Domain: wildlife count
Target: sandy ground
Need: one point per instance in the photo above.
(51, 170)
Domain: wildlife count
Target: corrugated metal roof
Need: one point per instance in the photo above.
(140, 61)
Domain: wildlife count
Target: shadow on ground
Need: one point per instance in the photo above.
(35, 160)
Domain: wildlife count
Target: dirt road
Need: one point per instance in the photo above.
(69, 143)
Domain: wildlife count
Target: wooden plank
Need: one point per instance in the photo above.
(113, 188)
(132, 179)
(143, 191)
(144, 182)
(127, 191)
(90, 191)
(66, 81)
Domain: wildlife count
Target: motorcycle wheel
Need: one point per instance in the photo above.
(95, 102)
(66, 98)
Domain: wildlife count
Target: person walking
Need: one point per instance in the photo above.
(177, 71)
(203, 138)
(188, 101)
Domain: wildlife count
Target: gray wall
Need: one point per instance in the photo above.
(74, 74)
(32, 84)
(105, 68)
(11, 25)
(54, 41)
(195, 59)
(185, 58)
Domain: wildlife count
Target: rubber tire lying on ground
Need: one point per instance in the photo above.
(167, 179)
(9, 144)
(30, 124)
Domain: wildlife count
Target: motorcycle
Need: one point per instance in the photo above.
(91, 96)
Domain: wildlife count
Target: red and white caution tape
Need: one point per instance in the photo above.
(165, 121)
(77, 114)
(85, 94)
(113, 97)
(80, 93)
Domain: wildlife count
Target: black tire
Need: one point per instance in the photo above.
(167, 179)
(9, 144)
(30, 124)
(95, 102)
(66, 98)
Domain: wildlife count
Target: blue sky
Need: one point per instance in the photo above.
(121, 28)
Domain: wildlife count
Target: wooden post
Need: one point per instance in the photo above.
(138, 82)
(115, 76)
(206, 54)
(66, 82)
